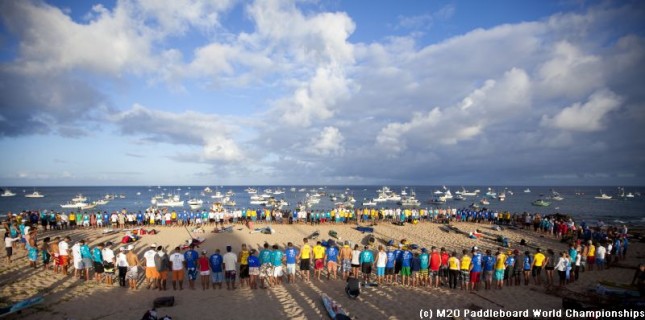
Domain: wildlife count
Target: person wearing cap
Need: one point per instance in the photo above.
(509, 271)
(177, 264)
(475, 269)
(122, 265)
(133, 268)
(398, 260)
(500, 267)
(537, 265)
(304, 256)
(191, 257)
(424, 267)
(331, 260)
(108, 263)
(162, 262)
(465, 264)
(204, 270)
(527, 263)
(152, 275)
(406, 264)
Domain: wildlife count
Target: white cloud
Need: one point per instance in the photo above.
(587, 117)
(329, 142)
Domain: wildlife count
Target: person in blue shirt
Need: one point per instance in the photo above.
(526, 263)
(424, 265)
(254, 269)
(191, 257)
(331, 260)
(97, 258)
(406, 263)
(488, 261)
(366, 260)
(508, 271)
(276, 262)
(415, 267)
(476, 268)
(266, 267)
(398, 260)
(291, 253)
(217, 273)
(139, 218)
(86, 257)
(389, 265)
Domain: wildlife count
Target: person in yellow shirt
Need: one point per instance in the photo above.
(305, 259)
(591, 255)
(453, 270)
(500, 267)
(465, 265)
(72, 220)
(319, 255)
(537, 265)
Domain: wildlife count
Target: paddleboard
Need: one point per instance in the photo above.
(333, 309)
(24, 304)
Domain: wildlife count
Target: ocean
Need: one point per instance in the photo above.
(578, 202)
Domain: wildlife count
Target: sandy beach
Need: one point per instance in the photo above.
(70, 298)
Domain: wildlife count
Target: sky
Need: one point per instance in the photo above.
(339, 92)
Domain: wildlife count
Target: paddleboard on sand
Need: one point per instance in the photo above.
(314, 235)
(334, 309)
(365, 229)
(17, 307)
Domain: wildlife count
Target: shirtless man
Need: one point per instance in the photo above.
(346, 260)
(133, 262)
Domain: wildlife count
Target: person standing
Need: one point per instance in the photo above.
(204, 270)
(537, 265)
(254, 269)
(366, 261)
(217, 273)
(97, 259)
(500, 267)
(162, 263)
(276, 260)
(230, 265)
(133, 268)
(191, 257)
(381, 262)
(244, 265)
(8, 245)
(152, 275)
(331, 260)
(291, 254)
(453, 270)
(109, 263)
(465, 265)
(435, 266)
(122, 265)
(177, 264)
(305, 259)
(319, 258)
(356, 261)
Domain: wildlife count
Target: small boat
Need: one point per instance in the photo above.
(474, 205)
(541, 203)
(34, 194)
(79, 198)
(7, 193)
(629, 195)
(195, 203)
(527, 190)
(438, 200)
(484, 201)
(459, 197)
(369, 203)
(602, 196)
(501, 196)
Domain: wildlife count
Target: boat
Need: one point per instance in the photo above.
(467, 193)
(195, 203)
(73, 205)
(484, 201)
(555, 196)
(34, 194)
(629, 195)
(491, 193)
(7, 193)
(541, 203)
(79, 198)
(250, 190)
(603, 196)
(437, 199)
(122, 196)
(102, 202)
(501, 196)
(170, 201)
(229, 203)
(369, 203)
(527, 190)
(474, 205)
(230, 193)
(217, 195)
(459, 197)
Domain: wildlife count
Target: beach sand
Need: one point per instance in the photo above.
(69, 298)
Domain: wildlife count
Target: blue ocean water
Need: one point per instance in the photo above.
(578, 201)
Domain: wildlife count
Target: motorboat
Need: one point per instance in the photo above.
(34, 194)
(541, 203)
(629, 195)
(501, 196)
(459, 197)
(79, 198)
(250, 190)
(369, 203)
(207, 190)
(603, 196)
(437, 199)
(7, 193)
(170, 201)
(527, 190)
(484, 202)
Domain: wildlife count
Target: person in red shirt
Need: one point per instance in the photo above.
(443, 269)
(204, 270)
(435, 265)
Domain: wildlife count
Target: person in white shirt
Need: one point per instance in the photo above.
(177, 263)
(108, 263)
(122, 265)
(152, 275)
(381, 261)
(230, 265)
(77, 258)
(8, 245)
(601, 252)
(63, 252)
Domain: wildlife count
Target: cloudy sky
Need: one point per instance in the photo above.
(223, 92)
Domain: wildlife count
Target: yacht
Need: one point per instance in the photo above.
(501, 196)
(79, 198)
(35, 194)
(171, 201)
(629, 195)
(602, 196)
(467, 193)
(207, 190)
(368, 203)
(527, 190)
(7, 193)
(459, 197)
(437, 199)
(250, 190)
(484, 201)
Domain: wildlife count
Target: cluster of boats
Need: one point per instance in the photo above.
(80, 202)
(35, 194)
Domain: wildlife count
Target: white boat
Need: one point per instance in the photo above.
(491, 193)
(410, 202)
(195, 202)
(250, 190)
(467, 193)
(7, 193)
(484, 201)
(229, 203)
(447, 194)
(122, 196)
(170, 201)
(459, 197)
(369, 203)
(501, 196)
(35, 194)
(527, 190)
(278, 191)
(102, 202)
(629, 195)
(73, 205)
(79, 198)
(207, 190)
(230, 193)
(603, 196)
(437, 199)
(217, 195)
(258, 202)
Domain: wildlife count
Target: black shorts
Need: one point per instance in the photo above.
(244, 271)
(397, 267)
(356, 265)
(108, 267)
(98, 267)
(366, 268)
(549, 268)
(536, 271)
(389, 271)
(305, 264)
(9, 251)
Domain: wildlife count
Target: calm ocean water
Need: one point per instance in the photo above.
(578, 201)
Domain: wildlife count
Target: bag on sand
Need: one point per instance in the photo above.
(164, 302)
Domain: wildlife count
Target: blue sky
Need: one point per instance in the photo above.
(322, 92)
